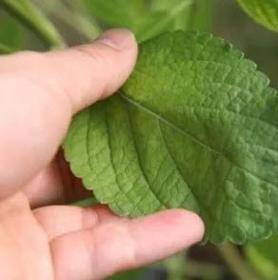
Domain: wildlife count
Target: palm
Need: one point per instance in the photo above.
(38, 236)
(35, 240)
(62, 242)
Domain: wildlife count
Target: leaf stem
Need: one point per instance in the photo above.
(236, 263)
(85, 202)
(26, 12)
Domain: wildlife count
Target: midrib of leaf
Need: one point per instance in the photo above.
(192, 137)
(168, 18)
(167, 122)
(178, 129)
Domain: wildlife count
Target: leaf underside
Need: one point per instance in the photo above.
(194, 127)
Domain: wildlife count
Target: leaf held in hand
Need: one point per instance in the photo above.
(195, 127)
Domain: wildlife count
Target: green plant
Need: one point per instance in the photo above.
(212, 122)
(194, 126)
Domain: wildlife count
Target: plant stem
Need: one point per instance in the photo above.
(172, 14)
(203, 270)
(26, 12)
(189, 269)
(236, 263)
(85, 202)
(74, 16)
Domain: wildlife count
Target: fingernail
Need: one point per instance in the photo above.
(195, 232)
(118, 39)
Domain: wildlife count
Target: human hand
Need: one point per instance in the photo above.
(39, 94)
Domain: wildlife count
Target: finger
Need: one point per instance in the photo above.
(99, 252)
(60, 220)
(80, 75)
(40, 92)
(55, 184)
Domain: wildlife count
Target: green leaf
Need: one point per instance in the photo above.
(263, 257)
(194, 127)
(145, 23)
(202, 19)
(264, 12)
(181, 19)
(11, 34)
(31, 16)
(4, 49)
(120, 13)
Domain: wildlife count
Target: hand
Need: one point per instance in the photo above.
(39, 93)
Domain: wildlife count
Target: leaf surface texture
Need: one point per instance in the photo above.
(194, 127)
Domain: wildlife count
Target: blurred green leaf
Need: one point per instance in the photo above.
(202, 18)
(121, 13)
(263, 256)
(182, 17)
(145, 21)
(130, 275)
(11, 36)
(4, 49)
(264, 12)
(26, 12)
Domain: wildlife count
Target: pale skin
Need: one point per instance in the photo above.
(39, 239)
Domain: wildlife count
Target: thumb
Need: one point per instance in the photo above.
(41, 91)
(91, 72)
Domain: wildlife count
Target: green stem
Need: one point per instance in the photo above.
(85, 202)
(172, 14)
(236, 263)
(31, 16)
(203, 270)
(175, 267)
(190, 269)
(74, 17)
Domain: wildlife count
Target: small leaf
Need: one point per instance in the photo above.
(264, 12)
(194, 127)
(183, 10)
(263, 256)
(144, 22)
(11, 35)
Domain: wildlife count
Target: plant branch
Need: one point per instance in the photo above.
(236, 263)
(26, 12)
